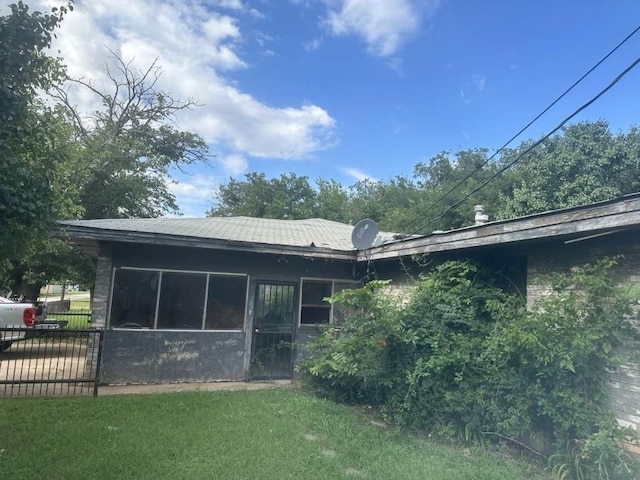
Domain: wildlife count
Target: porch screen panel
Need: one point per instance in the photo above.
(226, 302)
(182, 298)
(134, 299)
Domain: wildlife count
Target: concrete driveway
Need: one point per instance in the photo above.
(43, 369)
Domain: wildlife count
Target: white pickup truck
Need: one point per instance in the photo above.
(15, 315)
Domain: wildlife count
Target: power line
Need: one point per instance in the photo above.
(523, 129)
(535, 144)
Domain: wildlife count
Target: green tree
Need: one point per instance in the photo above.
(463, 358)
(585, 163)
(129, 145)
(332, 201)
(391, 204)
(448, 173)
(42, 258)
(30, 153)
(288, 196)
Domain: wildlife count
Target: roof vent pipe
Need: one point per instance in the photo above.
(481, 217)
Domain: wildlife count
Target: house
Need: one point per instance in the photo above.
(188, 300)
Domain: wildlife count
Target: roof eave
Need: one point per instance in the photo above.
(602, 217)
(75, 233)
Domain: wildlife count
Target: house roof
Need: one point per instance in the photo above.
(569, 224)
(315, 237)
(326, 239)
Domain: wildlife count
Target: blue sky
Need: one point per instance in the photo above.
(352, 89)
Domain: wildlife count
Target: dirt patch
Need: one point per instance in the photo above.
(188, 387)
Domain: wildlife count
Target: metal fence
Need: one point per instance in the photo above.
(43, 362)
(76, 319)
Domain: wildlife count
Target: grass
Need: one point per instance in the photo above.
(79, 314)
(68, 294)
(267, 434)
(76, 318)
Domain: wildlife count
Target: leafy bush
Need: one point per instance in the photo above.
(465, 357)
(348, 362)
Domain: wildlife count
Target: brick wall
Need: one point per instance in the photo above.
(400, 291)
(99, 305)
(625, 380)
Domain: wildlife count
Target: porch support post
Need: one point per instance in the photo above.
(248, 331)
(99, 307)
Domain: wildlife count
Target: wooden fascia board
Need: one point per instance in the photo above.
(621, 214)
(118, 236)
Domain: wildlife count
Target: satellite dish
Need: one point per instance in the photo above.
(364, 234)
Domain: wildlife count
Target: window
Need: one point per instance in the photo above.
(134, 299)
(181, 301)
(225, 303)
(314, 310)
(177, 300)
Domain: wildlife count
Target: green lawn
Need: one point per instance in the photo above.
(267, 434)
(79, 313)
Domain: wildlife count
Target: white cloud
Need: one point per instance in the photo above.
(384, 25)
(197, 48)
(480, 81)
(357, 174)
(238, 6)
(231, 4)
(234, 164)
(312, 45)
(472, 87)
(195, 194)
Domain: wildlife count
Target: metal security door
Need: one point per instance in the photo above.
(274, 316)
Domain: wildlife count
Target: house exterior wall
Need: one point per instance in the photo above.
(541, 260)
(170, 356)
(509, 265)
(625, 380)
(139, 356)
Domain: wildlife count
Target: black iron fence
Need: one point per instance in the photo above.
(76, 319)
(49, 361)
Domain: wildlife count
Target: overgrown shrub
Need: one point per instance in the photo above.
(465, 357)
(348, 362)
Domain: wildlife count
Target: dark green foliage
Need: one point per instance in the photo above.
(586, 163)
(288, 196)
(443, 182)
(31, 134)
(349, 362)
(57, 163)
(465, 358)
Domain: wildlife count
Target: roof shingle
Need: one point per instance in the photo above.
(298, 233)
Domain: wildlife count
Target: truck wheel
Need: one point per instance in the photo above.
(4, 346)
